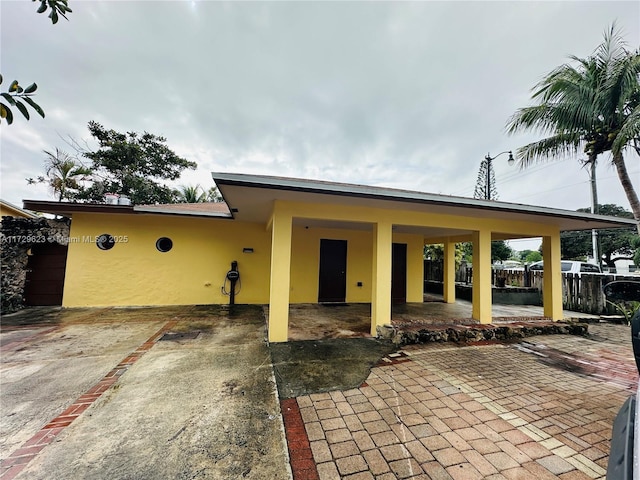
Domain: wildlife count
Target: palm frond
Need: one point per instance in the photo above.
(547, 149)
(629, 132)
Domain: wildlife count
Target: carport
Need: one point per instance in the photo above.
(375, 219)
(314, 321)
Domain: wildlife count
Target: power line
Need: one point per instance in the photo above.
(570, 185)
(518, 173)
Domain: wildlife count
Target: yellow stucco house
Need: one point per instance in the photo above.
(10, 210)
(298, 241)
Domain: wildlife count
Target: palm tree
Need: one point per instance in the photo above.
(594, 105)
(191, 194)
(213, 195)
(197, 194)
(63, 172)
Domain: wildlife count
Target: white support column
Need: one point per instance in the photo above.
(552, 278)
(482, 276)
(280, 277)
(381, 276)
(449, 272)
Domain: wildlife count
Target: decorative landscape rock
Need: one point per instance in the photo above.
(417, 334)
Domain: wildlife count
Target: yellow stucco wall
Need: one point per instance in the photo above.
(8, 211)
(415, 265)
(134, 272)
(305, 261)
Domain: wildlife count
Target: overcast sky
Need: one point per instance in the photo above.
(396, 94)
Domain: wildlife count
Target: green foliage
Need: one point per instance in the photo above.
(499, 251)
(615, 243)
(190, 194)
(132, 164)
(593, 105)
(197, 194)
(635, 243)
(17, 97)
(522, 254)
(213, 195)
(532, 256)
(433, 252)
(627, 309)
(467, 251)
(59, 8)
(63, 174)
(436, 252)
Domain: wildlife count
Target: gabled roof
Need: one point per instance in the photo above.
(250, 198)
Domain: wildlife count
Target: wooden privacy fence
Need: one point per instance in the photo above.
(580, 293)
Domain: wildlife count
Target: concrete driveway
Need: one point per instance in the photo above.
(100, 394)
(190, 392)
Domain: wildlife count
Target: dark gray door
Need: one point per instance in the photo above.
(399, 273)
(332, 285)
(45, 274)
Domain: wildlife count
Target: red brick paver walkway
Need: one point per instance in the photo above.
(475, 412)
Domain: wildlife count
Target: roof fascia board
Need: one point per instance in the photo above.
(158, 211)
(68, 208)
(379, 193)
(65, 208)
(17, 210)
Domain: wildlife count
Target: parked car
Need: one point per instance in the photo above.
(624, 456)
(508, 265)
(570, 266)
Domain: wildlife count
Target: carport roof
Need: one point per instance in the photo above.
(250, 198)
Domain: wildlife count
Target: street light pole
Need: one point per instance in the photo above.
(484, 187)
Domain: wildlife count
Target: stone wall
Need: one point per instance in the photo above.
(17, 237)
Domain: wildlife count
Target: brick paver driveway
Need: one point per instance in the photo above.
(493, 411)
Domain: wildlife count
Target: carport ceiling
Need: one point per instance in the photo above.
(251, 199)
(427, 232)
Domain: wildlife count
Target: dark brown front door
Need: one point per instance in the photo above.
(332, 286)
(399, 273)
(45, 274)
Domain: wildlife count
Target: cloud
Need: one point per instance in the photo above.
(401, 94)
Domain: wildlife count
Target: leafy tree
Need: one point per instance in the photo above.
(59, 8)
(213, 195)
(63, 174)
(616, 243)
(190, 194)
(532, 257)
(132, 164)
(15, 94)
(522, 254)
(500, 250)
(529, 256)
(635, 243)
(594, 104)
(197, 194)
